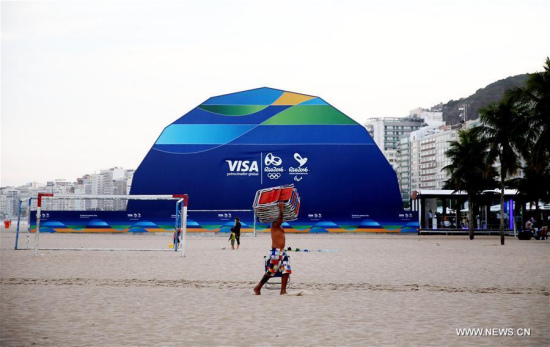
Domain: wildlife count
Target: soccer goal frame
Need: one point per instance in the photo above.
(181, 201)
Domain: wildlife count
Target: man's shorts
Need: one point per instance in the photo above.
(278, 262)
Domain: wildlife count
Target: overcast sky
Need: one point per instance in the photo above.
(91, 85)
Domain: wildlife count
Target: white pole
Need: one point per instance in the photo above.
(37, 233)
(184, 227)
(29, 223)
(177, 226)
(18, 223)
(38, 210)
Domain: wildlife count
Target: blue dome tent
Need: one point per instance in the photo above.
(223, 151)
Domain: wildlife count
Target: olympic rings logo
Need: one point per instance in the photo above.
(270, 159)
(274, 176)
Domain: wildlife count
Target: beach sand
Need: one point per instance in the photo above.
(367, 289)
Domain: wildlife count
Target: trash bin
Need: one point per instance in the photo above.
(7, 224)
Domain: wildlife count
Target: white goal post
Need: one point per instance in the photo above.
(181, 201)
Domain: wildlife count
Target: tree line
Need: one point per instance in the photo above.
(513, 135)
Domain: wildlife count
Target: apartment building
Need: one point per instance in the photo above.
(404, 169)
(9, 201)
(422, 159)
(113, 181)
(387, 132)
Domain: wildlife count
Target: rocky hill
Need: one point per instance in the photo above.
(481, 98)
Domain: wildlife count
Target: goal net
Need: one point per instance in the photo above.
(104, 222)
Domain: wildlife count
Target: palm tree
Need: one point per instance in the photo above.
(503, 129)
(469, 170)
(533, 186)
(535, 98)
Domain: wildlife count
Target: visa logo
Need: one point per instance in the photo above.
(242, 165)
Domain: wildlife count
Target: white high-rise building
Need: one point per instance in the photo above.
(387, 132)
(427, 149)
(9, 202)
(404, 169)
(427, 157)
(3, 205)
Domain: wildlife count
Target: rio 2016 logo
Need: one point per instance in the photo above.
(300, 171)
(275, 172)
(270, 159)
(299, 159)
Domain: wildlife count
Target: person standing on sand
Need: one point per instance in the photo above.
(237, 230)
(177, 237)
(232, 239)
(278, 260)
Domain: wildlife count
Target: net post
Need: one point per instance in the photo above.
(29, 223)
(38, 213)
(183, 220)
(184, 224)
(18, 221)
(37, 231)
(184, 229)
(177, 226)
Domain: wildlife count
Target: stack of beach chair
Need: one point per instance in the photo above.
(267, 200)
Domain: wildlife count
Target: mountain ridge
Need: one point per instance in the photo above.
(493, 92)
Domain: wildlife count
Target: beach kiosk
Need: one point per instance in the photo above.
(446, 211)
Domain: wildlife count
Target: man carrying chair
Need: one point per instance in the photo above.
(278, 261)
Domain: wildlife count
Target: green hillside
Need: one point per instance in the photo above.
(482, 97)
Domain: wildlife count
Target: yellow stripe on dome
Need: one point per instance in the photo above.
(292, 99)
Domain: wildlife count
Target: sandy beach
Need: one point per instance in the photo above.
(361, 290)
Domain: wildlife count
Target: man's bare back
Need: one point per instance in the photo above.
(277, 231)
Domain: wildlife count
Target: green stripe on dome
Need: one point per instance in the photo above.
(310, 114)
(302, 227)
(233, 110)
